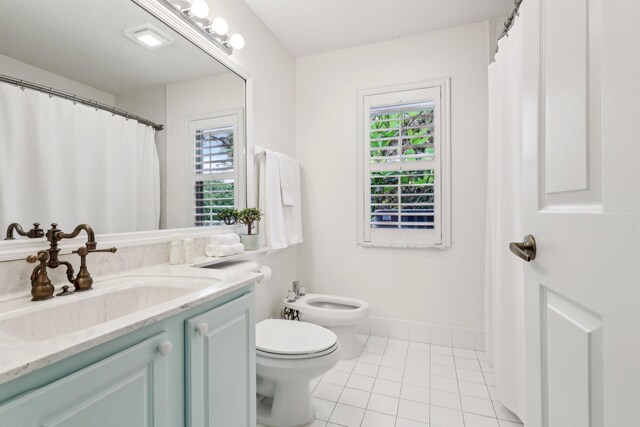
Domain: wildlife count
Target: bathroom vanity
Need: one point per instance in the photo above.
(162, 346)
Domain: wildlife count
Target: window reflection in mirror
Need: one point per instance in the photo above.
(70, 163)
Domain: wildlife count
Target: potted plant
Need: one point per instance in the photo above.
(249, 217)
(229, 216)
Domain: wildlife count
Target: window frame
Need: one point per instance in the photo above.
(443, 157)
(236, 121)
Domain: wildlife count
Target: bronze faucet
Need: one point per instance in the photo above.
(41, 287)
(35, 233)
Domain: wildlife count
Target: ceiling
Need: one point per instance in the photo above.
(311, 26)
(84, 41)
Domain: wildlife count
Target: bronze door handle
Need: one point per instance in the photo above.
(525, 250)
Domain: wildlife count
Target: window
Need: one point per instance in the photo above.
(217, 166)
(404, 167)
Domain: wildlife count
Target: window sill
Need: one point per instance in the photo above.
(403, 246)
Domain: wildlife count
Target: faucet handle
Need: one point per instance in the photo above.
(43, 257)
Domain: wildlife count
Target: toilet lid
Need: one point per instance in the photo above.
(291, 337)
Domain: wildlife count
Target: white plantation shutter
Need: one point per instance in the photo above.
(214, 168)
(402, 167)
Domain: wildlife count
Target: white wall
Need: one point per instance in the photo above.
(21, 70)
(273, 70)
(436, 286)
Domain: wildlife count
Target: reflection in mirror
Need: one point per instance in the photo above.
(68, 162)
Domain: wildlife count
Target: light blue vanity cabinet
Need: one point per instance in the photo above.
(207, 379)
(127, 389)
(221, 366)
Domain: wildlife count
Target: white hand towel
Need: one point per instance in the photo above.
(224, 239)
(223, 250)
(289, 179)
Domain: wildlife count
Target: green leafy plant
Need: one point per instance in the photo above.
(228, 216)
(248, 217)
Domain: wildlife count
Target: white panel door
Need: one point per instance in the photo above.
(581, 201)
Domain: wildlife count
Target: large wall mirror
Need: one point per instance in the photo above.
(174, 165)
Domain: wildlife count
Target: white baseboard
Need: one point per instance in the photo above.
(427, 333)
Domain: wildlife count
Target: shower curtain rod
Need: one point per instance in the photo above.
(79, 99)
(511, 18)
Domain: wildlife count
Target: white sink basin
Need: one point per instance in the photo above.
(111, 299)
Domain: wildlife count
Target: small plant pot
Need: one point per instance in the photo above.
(250, 241)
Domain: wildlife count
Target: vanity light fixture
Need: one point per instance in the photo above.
(148, 36)
(196, 13)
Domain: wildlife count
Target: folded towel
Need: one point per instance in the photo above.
(223, 250)
(224, 239)
(289, 179)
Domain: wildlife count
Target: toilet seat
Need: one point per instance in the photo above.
(288, 339)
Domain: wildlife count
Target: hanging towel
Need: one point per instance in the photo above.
(224, 239)
(289, 179)
(282, 224)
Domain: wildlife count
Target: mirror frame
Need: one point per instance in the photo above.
(21, 248)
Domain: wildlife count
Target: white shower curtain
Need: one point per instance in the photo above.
(504, 273)
(70, 164)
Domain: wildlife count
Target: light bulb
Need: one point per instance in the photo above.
(220, 26)
(236, 41)
(199, 8)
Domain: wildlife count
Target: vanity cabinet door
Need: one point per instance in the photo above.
(221, 366)
(128, 389)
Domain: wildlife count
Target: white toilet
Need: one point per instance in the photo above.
(289, 354)
(340, 314)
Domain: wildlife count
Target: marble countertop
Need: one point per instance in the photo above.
(20, 355)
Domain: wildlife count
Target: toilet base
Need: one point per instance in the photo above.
(351, 347)
(290, 406)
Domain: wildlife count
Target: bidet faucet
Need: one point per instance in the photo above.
(296, 289)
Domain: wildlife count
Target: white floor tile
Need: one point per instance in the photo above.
(353, 397)
(345, 365)
(418, 356)
(376, 419)
(396, 352)
(378, 340)
(374, 348)
(490, 379)
(441, 359)
(318, 423)
(371, 358)
(333, 425)
(445, 399)
(473, 389)
(478, 406)
(444, 384)
(328, 391)
(347, 416)
(505, 414)
(462, 363)
(396, 343)
(366, 369)
(470, 376)
(443, 417)
(386, 387)
(360, 382)
(418, 346)
(440, 349)
(413, 411)
(401, 422)
(393, 362)
(443, 371)
(416, 378)
(384, 404)
(391, 374)
(420, 367)
(415, 393)
(335, 377)
(473, 420)
(323, 408)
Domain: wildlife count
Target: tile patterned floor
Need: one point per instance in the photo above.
(398, 383)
